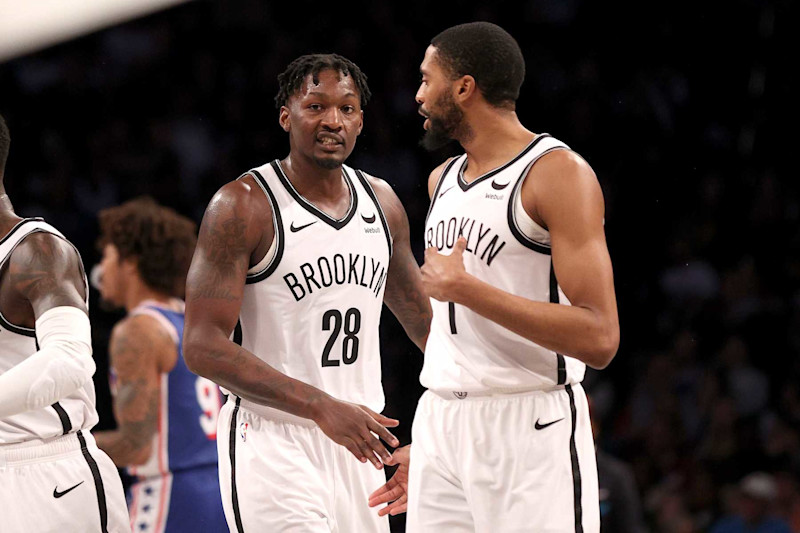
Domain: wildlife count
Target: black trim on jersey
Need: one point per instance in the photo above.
(311, 208)
(19, 330)
(554, 299)
(374, 197)
(66, 424)
(18, 225)
(277, 222)
(577, 489)
(98, 483)
(232, 453)
(237, 333)
(466, 186)
(439, 186)
(452, 312)
(512, 221)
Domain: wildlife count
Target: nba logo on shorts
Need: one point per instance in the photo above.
(243, 430)
(460, 395)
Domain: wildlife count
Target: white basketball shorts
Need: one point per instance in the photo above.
(64, 484)
(503, 462)
(280, 476)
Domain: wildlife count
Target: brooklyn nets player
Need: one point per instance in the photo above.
(53, 477)
(523, 298)
(284, 296)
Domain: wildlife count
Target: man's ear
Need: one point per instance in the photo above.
(283, 119)
(465, 88)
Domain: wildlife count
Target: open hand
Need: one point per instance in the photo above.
(358, 429)
(395, 491)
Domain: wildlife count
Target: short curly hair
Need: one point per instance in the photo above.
(291, 79)
(159, 239)
(489, 54)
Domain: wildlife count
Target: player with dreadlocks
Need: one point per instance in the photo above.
(284, 295)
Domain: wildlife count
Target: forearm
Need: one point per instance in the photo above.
(570, 330)
(124, 449)
(244, 374)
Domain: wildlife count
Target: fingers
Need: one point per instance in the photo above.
(385, 495)
(376, 447)
(395, 508)
(431, 251)
(353, 448)
(461, 245)
(378, 425)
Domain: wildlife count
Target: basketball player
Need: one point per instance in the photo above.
(53, 477)
(293, 263)
(523, 299)
(166, 416)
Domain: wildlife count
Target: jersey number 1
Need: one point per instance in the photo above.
(332, 321)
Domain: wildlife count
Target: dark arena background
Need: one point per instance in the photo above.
(682, 109)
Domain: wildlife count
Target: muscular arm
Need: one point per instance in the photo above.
(140, 351)
(44, 283)
(562, 193)
(404, 293)
(232, 229)
(230, 232)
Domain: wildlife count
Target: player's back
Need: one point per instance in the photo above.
(17, 343)
(311, 308)
(188, 410)
(509, 250)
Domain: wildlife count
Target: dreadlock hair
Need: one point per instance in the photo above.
(489, 54)
(159, 239)
(5, 141)
(291, 79)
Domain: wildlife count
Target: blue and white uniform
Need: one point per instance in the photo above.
(177, 489)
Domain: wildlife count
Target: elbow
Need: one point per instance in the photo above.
(604, 348)
(193, 355)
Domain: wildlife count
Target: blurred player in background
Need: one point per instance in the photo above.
(166, 416)
(53, 477)
(523, 299)
(294, 262)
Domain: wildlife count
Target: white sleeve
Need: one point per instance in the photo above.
(60, 367)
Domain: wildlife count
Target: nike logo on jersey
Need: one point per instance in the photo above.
(537, 425)
(295, 229)
(444, 191)
(498, 187)
(369, 220)
(57, 494)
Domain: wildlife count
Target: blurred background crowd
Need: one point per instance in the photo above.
(681, 109)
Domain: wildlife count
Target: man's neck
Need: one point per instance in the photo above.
(313, 181)
(8, 218)
(498, 137)
(139, 292)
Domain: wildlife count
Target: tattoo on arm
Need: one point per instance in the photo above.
(225, 254)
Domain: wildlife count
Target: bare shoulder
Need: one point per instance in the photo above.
(47, 271)
(435, 176)
(138, 339)
(561, 181)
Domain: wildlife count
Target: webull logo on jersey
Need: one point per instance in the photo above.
(354, 269)
(479, 242)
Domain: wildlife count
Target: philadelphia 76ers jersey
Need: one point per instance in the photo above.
(311, 309)
(17, 343)
(507, 249)
(188, 409)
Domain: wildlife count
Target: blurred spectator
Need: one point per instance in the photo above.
(754, 508)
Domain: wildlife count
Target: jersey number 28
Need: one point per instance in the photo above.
(332, 321)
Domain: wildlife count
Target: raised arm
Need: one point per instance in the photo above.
(404, 293)
(562, 194)
(237, 230)
(46, 290)
(140, 351)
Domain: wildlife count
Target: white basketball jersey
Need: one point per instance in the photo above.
(311, 309)
(17, 343)
(507, 249)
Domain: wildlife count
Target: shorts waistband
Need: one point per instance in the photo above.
(270, 413)
(492, 393)
(37, 450)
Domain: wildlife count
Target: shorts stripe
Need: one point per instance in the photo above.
(576, 469)
(561, 365)
(232, 452)
(66, 424)
(98, 483)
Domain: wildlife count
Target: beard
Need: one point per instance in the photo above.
(328, 163)
(448, 125)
